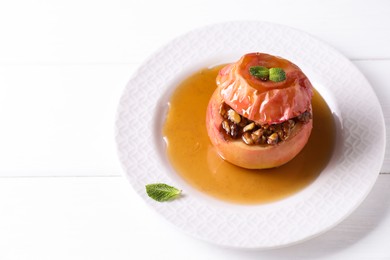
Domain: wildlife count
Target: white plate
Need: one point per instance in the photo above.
(340, 188)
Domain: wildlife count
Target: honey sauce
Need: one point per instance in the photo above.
(195, 159)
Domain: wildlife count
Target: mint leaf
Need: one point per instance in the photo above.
(162, 192)
(277, 74)
(259, 72)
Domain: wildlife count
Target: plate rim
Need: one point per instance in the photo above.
(160, 207)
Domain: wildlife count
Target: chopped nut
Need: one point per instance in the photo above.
(281, 135)
(237, 126)
(256, 139)
(265, 127)
(234, 116)
(284, 134)
(249, 127)
(234, 130)
(257, 136)
(287, 127)
(273, 139)
(247, 138)
(291, 123)
(223, 110)
(258, 132)
(226, 126)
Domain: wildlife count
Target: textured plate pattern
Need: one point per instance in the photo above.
(333, 196)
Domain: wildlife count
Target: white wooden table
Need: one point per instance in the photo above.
(63, 66)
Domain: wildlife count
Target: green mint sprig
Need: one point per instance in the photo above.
(259, 72)
(263, 73)
(162, 192)
(277, 74)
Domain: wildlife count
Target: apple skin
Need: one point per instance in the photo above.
(253, 156)
(265, 101)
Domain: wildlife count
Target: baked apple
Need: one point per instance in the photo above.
(260, 115)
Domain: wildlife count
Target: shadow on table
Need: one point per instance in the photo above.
(358, 225)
